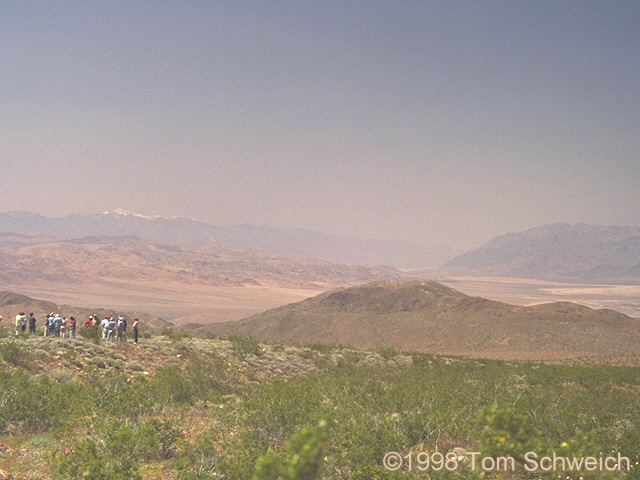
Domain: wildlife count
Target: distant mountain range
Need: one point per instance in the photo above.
(180, 231)
(37, 259)
(429, 317)
(563, 252)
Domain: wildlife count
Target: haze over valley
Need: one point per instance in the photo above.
(192, 273)
(356, 235)
(207, 163)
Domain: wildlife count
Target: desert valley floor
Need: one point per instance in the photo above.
(182, 302)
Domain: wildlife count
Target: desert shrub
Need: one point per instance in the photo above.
(119, 397)
(78, 364)
(372, 410)
(348, 357)
(244, 345)
(41, 354)
(115, 364)
(40, 441)
(70, 354)
(360, 429)
(199, 476)
(183, 347)
(87, 460)
(93, 334)
(507, 433)
(321, 347)
(211, 376)
(60, 375)
(135, 366)
(175, 335)
(31, 405)
(98, 362)
(379, 472)
(197, 457)
(116, 449)
(388, 353)
(242, 429)
(278, 409)
(170, 386)
(93, 350)
(301, 459)
(15, 353)
(151, 439)
(422, 359)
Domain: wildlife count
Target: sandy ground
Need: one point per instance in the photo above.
(622, 298)
(168, 301)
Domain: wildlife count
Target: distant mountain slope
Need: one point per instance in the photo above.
(99, 259)
(13, 303)
(430, 317)
(581, 253)
(185, 231)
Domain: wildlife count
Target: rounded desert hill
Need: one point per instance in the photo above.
(426, 316)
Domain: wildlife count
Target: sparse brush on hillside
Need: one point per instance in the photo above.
(430, 317)
(205, 408)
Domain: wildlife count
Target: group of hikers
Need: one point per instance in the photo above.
(56, 326)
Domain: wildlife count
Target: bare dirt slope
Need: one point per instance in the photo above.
(128, 273)
(430, 317)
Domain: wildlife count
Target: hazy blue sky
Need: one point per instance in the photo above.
(437, 122)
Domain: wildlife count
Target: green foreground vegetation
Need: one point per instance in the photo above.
(174, 407)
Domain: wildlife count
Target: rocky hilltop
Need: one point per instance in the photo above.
(429, 317)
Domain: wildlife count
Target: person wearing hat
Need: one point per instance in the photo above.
(111, 328)
(32, 324)
(57, 325)
(50, 324)
(105, 326)
(21, 323)
(121, 328)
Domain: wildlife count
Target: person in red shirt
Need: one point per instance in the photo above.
(71, 325)
(135, 330)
